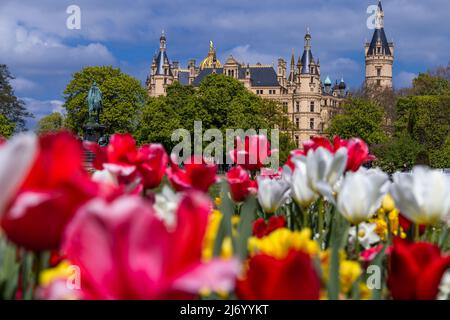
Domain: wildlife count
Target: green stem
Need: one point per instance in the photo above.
(320, 224)
(357, 242)
(305, 218)
(417, 232)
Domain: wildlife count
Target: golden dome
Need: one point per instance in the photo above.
(211, 60)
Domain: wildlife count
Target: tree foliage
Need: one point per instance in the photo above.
(398, 153)
(440, 158)
(220, 102)
(6, 127)
(123, 99)
(12, 108)
(49, 123)
(425, 118)
(360, 118)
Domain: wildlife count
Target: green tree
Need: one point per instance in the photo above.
(428, 85)
(6, 127)
(11, 107)
(440, 158)
(398, 153)
(220, 102)
(49, 123)
(425, 118)
(359, 118)
(123, 99)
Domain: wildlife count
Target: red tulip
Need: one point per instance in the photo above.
(240, 184)
(294, 153)
(415, 270)
(152, 162)
(54, 189)
(357, 150)
(122, 149)
(357, 153)
(197, 174)
(406, 225)
(124, 251)
(123, 159)
(262, 228)
(289, 278)
(252, 153)
(317, 142)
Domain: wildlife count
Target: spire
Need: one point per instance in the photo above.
(379, 19)
(292, 70)
(307, 39)
(292, 58)
(307, 57)
(379, 43)
(162, 41)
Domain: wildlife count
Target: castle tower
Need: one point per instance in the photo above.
(161, 71)
(379, 55)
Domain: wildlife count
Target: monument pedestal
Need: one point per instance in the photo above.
(93, 131)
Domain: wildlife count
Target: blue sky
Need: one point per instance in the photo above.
(43, 54)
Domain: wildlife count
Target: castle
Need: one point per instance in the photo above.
(308, 101)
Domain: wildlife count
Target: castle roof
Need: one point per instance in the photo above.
(260, 76)
(211, 59)
(160, 60)
(327, 81)
(379, 36)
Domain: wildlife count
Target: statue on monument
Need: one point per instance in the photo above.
(95, 103)
(93, 130)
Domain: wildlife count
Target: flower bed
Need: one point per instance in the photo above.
(322, 227)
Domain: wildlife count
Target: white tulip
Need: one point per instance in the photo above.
(423, 196)
(361, 193)
(324, 169)
(366, 234)
(16, 159)
(272, 193)
(105, 176)
(301, 193)
(166, 204)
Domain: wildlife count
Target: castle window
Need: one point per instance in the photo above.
(312, 70)
(165, 80)
(297, 106)
(378, 72)
(379, 50)
(312, 79)
(311, 106)
(296, 138)
(285, 107)
(378, 82)
(311, 123)
(297, 122)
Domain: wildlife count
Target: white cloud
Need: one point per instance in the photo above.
(244, 54)
(23, 85)
(404, 79)
(41, 108)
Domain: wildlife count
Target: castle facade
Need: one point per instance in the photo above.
(308, 101)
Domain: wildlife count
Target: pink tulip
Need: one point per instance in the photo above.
(240, 184)
(124, 251)
(196, 175)
(252, 153)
